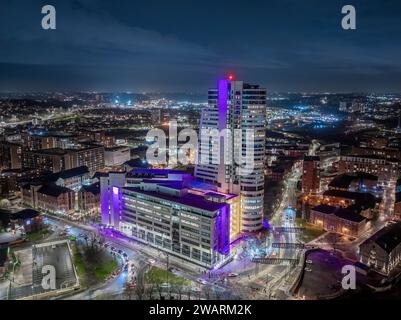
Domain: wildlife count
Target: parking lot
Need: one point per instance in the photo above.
(322, 275)
(55, 254)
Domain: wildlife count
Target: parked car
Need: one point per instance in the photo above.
(201, 281)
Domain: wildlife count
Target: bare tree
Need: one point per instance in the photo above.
(139, 291)
(159, 290)
(207, 292)
(150, 290)
(178, 289)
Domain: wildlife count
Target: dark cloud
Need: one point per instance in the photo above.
(186, 45)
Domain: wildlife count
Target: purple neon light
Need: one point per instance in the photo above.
(223, 104)
(116, 203)
(116, 191)
(104, 196)
(222, 231)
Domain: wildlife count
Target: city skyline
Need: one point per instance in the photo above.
(228, 152)
(294, 47)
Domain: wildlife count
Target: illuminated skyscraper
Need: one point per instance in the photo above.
(238, 112)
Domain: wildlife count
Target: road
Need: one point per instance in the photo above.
(260, 281)
(140, 256)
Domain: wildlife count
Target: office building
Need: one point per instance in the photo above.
(172, 212)
(311, 175)
(10, 156)
(240, 109)
(116, 156)
(56, 160)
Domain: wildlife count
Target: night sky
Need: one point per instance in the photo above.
(185, 46)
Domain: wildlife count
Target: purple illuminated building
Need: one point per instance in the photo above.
(171, 211)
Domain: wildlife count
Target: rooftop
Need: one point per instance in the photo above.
(80, 171)
(365, 200)
(53, 190)
(117, 148)
(7, 215)
(93, 188)
(190, 200)
(389, 237)
(343, 181)
(51, 152)
(373, 157)
(154, 172)
(345, 214)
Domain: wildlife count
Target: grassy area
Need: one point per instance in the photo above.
(93, 267)
(160, 276)
(310, 232)
(103, 270)
(37, 235)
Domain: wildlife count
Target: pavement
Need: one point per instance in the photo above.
(27, 279)
(322, 277)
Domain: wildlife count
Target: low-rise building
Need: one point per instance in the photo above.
(89, 199)
(55, 199)
(72, 179)
(27, 219)
(365, 202)
(338, 220)
(116, 156)
(385, 169)
(382, 251)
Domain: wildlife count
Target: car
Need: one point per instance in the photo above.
(196, 289)
(308, 270)
(309, 261)
(152, 261)
(125, 255)
(233, 275)
(113, 249)
(201, 281)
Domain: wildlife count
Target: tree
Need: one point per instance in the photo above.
(159, 290)
(139, 291)
(150, 290)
